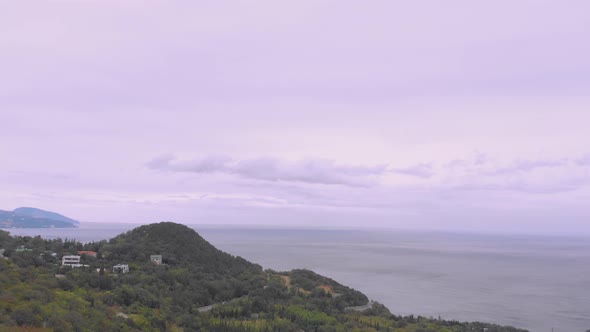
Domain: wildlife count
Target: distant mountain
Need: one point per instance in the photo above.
(28, 217)
(38, 213)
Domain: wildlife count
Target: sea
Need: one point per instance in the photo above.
(540, 283)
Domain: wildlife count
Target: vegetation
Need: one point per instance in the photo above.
(196, 288)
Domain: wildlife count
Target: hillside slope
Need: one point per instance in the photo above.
(179, 245)
(195, 288)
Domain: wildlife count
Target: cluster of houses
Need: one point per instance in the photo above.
(74, 260)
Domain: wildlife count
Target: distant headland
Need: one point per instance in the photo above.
(28, 217)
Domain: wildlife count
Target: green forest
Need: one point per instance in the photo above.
(195, 288)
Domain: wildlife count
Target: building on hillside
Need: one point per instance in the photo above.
(87, 253)
(156, 259)
(71, 260)
(22, 249)
(121, 268)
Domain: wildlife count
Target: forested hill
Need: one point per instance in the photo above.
(165, 277)
(179, 245)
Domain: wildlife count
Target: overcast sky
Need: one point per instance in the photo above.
(455, 115)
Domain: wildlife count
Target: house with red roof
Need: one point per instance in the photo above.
(87, 253)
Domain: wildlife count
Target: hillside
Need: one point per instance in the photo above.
(179, 245)
(26, 217)
(195, 287)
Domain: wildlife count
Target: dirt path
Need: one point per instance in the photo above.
(360, 307)
(287, 281)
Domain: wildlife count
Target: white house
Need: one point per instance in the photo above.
(121, 268)
(156, 259)
(71, 260)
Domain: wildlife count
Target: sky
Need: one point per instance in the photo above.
(456, 115)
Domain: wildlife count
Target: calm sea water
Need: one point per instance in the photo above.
(532, 282)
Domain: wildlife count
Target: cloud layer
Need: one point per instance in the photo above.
(479, 173)
(310, 171)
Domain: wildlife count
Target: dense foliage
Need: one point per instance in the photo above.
(197, 288)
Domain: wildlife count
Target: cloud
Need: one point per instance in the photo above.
(530, 176)
(529, 165)
(310, 171)
(583, 161)
(479, 173)
(419, 170)
(209, 164)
